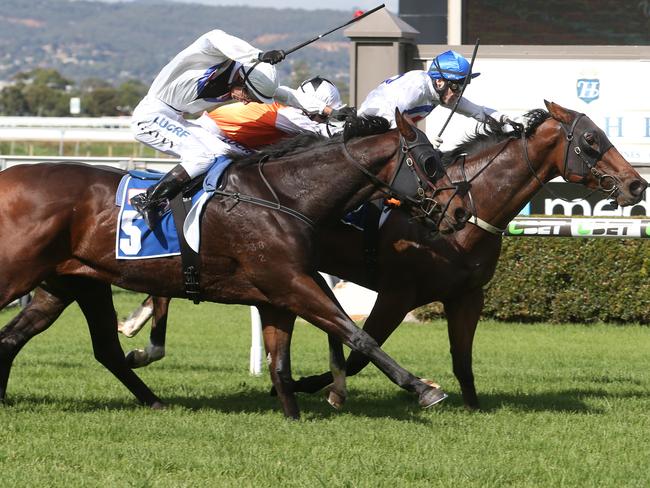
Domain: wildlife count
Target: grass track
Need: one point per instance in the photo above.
(563, 406)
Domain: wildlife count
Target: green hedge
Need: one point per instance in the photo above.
(567, 280)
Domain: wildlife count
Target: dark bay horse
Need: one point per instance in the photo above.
(58, 225)
(413, 270)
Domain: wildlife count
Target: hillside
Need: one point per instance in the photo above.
(119, 41)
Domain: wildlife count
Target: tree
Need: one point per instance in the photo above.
(299, 73)
(129, 95)
(13, 101)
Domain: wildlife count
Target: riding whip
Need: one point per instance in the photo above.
(462, 90)
(356, 19)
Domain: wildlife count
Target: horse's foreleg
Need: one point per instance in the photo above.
(96, 303)
(42, 311)
(388, 312)
(277, 329)
(463, 314)
(159, 308)
(313, 305)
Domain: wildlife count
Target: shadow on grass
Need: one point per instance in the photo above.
(571, 401)
(396, 405)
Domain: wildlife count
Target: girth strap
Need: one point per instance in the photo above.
(190, 260)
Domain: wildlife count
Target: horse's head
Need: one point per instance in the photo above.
(588, 157)
(422, 167)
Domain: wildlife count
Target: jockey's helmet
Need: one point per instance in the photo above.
(324, 90)
(261, 80)
(450, 66)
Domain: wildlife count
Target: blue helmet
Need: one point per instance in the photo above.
(450, 66)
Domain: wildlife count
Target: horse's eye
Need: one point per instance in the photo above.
(589, 138)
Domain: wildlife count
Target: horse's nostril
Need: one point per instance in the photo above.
(637, 187)
(461, 215)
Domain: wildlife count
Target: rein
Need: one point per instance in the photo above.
(466, 185)
(274, 205)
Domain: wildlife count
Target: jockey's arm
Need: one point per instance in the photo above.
(299, 99)
(220, 44)
(294, 121)
(477, 112)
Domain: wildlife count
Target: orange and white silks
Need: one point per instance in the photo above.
(252, 125)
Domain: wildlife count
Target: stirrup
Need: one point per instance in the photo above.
(150, 211)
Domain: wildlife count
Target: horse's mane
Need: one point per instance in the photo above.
(489, 133)
(363, 126)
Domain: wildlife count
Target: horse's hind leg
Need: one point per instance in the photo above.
(96, 302)
(155, 351)
(42, 311)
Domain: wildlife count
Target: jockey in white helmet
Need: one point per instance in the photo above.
(253, 125)
(215, 68)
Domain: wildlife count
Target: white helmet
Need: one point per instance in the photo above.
(261, 79)
(324, 90)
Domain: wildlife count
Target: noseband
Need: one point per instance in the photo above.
(588, 157)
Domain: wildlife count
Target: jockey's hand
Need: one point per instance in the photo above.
(509, 125)
(343, 113)
(436, 142)
(272, 57)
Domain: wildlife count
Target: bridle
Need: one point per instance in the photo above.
(580, 158)
(576, 168)
(587, 155)
(410, 184)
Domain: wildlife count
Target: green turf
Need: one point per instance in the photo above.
(563, 406)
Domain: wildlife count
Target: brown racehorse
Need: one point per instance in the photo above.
(58, 225)
(413, 270)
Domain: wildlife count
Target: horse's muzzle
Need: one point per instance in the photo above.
(632, 193)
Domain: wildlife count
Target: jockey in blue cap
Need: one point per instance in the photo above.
(416, 93)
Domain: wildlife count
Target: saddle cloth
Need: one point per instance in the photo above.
(134, 240)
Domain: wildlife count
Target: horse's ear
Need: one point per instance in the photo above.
(404, 126)
(558, 112)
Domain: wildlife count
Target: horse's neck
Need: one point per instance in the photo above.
(322, 182)
(507, 184)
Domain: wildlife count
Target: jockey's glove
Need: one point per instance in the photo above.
(343, 113)
(436, 142)
(272, 57)
(509, 124)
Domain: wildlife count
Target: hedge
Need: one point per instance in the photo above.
(567, 280)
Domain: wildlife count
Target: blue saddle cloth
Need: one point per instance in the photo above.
(134, 240)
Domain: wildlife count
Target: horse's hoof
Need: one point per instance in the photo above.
(335, 399)
(137, 358)
(429, 382)
(431, 397)
(158, 406)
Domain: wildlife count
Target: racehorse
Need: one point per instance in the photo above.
(59, 226)
(412, 270)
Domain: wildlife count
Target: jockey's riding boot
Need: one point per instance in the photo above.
(150, 204)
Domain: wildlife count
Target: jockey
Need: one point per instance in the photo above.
(416, 93)
(255, 125)
(215, 68)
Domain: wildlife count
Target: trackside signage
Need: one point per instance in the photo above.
(568, 227)
(593, 86)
